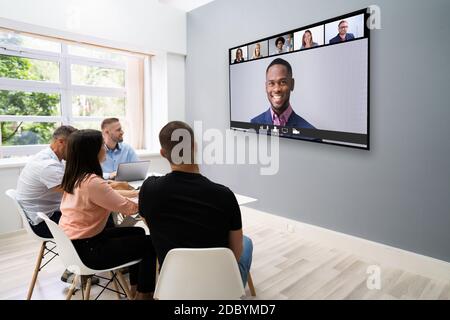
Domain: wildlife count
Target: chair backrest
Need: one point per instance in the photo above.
(66, 250)
(199, 274)
(13, 195)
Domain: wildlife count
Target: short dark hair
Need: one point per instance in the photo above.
(63, 132)
(342, 21)
(83, 147)
(280, 39)
(108, 121)
(167, 144)
(283, 63)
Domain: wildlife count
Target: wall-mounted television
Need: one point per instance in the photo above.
(310, 83)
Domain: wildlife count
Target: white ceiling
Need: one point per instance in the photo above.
(185, 5)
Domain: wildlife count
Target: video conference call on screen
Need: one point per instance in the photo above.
(311, 83)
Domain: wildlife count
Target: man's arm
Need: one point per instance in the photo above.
(52, 176)
(57, 189)
(132, 156)
(235, 239)
(120, 185)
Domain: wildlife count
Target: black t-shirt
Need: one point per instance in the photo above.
(187, 210)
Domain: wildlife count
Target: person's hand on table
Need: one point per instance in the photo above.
(120, 185)
(113, 175)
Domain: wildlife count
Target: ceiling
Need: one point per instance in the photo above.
(185, 5)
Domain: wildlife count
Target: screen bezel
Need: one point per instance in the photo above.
(245, 126)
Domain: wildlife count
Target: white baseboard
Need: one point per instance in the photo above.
(373, 251)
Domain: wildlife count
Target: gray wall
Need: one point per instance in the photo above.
(399, 192)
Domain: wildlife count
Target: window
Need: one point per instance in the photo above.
(45, 83)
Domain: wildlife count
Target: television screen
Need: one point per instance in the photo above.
(311, 83)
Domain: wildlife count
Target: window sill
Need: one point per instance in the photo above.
(20, 162)
(147, 153)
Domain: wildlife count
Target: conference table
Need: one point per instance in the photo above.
(241, 199)
(131, 220)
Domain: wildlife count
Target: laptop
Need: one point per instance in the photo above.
(135, 172)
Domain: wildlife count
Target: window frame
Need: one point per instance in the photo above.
(64, 88)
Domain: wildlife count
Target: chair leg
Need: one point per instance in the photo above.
(87, 291)
(124, 284)
(36, 270)
(72, 287)
(251, 286)
(116, 287)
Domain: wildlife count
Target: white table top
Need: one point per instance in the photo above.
(240, 198)
(244, 199)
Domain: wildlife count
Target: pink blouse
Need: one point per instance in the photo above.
(85, 212)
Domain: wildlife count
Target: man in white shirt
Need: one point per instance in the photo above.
(38, 187)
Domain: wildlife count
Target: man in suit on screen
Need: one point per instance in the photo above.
(279, 85)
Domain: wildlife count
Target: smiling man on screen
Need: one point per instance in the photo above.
(279, 85)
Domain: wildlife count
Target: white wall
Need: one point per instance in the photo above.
(145, 23)
(142, 25)
(176, 76)
(9, 219)
(398, 192)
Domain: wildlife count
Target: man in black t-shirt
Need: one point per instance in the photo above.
(186, 210)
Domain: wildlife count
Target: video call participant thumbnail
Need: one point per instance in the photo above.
(239, 56)
(307, 40)
(343, 35)
(257, 51)
(279, 45)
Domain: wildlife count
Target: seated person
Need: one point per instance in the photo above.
(342, 35)
(87, 202)
(118, 151)
(38, 187)
(184, 209)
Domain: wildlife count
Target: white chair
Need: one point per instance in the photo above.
(73, 263)
(199, 274)
(47, 244)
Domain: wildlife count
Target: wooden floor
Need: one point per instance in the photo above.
(285, 266)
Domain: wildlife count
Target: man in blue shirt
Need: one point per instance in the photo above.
(343, 35)
(117, 151)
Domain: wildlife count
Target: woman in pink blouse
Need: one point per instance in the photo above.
(87, 202)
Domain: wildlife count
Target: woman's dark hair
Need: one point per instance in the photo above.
(280, 39)
(303, 38)
(83, 147)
